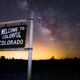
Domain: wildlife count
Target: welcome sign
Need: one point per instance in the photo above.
(13, 36)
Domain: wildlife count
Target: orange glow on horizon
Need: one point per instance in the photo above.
(40, 51)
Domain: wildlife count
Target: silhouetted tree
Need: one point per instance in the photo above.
(12, 58)
(52, 58)
(2, 57)
(75, 58)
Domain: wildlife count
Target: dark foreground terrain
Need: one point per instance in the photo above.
(67, 69)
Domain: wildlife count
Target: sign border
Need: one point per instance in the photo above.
(15, 48)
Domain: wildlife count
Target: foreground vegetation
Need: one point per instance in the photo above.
(64, 69)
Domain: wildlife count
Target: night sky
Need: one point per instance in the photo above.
(56, 26)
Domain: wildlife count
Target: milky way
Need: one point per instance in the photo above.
(55, 21)
(60, 22)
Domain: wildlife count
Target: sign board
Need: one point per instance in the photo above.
(13, 36)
